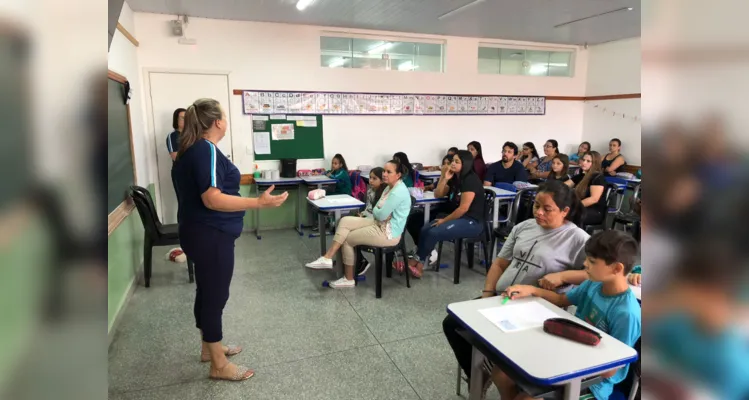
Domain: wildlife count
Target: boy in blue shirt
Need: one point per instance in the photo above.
(604, 301)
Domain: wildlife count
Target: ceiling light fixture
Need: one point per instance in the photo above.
(302, 4)
(593, 16)
(459, 9)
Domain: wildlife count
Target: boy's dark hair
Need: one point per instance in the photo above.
(613, 246)
(511, 145)
(175, 117)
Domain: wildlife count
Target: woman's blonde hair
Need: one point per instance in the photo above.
(595, 168)
(199, 117)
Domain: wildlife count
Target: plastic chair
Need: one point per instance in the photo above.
(526, 197)
(156, 234)
(629, 218)
(484, 238)
(506, 186)
(610, 189)
(620, 188)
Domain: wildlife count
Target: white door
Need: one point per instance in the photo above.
(170, 91)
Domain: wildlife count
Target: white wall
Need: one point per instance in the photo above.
(287, 57)
(123, 59)
(614, 68)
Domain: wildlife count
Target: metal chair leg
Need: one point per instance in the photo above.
(457, 383)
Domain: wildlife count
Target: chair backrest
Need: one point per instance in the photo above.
(522, 206)
(358, 187)
(619, 182)
(489, 197)
(142, 198)
(506, 186)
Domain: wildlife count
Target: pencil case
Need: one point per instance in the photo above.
(571, 330)
(316, 194)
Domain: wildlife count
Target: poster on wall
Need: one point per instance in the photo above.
(262, 102)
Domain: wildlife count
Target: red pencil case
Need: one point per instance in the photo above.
(572, 330)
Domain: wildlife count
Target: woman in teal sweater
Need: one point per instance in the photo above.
(339, 172)
(384, 230)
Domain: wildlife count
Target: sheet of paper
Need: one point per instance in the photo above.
(259, 125)
(278, 116)
(306, 123)
(259, 117)
(517, 317)
(283, 131)
(262, 142)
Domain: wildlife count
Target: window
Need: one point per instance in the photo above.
(493, 60)
(343, 52)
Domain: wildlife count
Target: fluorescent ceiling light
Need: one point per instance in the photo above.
(338, 62)
(459, 9)
(302, 4)
(407, 66)
(381, 46)
(593, 16)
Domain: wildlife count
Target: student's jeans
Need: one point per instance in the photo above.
(212, 250)
(415, 220)
(456, 229)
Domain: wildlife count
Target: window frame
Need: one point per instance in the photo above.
(552, 48)
(385, 38)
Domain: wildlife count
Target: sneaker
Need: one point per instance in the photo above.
(433, 257)
(321, 263)
(342, 283)
(363, 267)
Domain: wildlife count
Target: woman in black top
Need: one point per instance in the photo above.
(210, 216)
(560, 166)
(613, 162)
(466, 194)
(590, 185)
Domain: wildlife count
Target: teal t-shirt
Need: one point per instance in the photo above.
(618, 315)
(343, 182)
(408, 179)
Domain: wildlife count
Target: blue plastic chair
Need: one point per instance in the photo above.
(621, 187)
(506, 186)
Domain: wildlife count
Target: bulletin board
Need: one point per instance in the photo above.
(307, 139)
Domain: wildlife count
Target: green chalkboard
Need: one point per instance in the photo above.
(307, 143)
(120, 171)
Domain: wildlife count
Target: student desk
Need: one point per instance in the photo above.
(262, 184)
(502, 196)
(334, 204)
(316, 181)
(542, 358)
(430, 175)
(427, 202)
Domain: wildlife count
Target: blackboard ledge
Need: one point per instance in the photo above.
(115, 218)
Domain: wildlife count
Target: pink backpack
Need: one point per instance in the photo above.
(358, 187)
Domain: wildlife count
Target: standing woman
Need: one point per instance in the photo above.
(408, 175)
(479, 166)
(172, 139)
(210, 217)
(613, 162)
(551, 149)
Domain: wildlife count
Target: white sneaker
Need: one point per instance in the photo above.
(433, 257)
(321, 263)
(342, 283)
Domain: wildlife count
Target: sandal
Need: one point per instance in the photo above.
(241, 374)
(230, 351)
(414, 271)
(398, 266)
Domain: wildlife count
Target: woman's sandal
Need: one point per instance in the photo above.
(414, 270)
(241, 374)
(230, 351)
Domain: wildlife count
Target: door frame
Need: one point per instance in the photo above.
(153, 162)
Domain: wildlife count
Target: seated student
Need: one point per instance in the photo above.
(466, 192)
(339, 172)
(590, 185)
(408, 178)
(374, 192)
(613, 162)
(529, 156)
(581, 150)
(383, 230)
(509, 170)
(479, 166)
(546, 251)
(446, 161)
(604, 301)
(452, 151)
(551, 149)
(560, 166)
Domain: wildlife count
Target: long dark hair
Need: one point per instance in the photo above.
(565, 166)
(554, 144)
(175, 118)
(341, 161)
(403, 158)
(199, 117)
(530, 145)
(377, 171)
(563, 197)
(583, 143)
(476, 145)
(466, 159)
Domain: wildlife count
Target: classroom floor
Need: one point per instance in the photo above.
(304, 341)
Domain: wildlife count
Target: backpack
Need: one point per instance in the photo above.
(358, 187)
(417, 182)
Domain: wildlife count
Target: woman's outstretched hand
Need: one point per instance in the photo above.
(267, 200)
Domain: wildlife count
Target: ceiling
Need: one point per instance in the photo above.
(527, 20)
